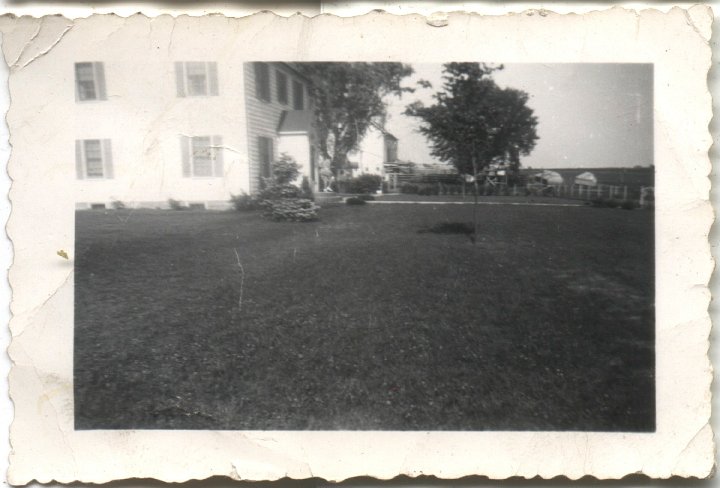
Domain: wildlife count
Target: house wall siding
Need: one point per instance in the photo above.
(144, 118)
(263, 117)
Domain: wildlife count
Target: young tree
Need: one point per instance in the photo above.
(474, 121)
(348, 97)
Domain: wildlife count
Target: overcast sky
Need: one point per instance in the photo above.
(589, 115)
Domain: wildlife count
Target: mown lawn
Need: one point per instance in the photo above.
(362, 321)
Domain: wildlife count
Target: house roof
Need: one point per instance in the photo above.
(294, 121)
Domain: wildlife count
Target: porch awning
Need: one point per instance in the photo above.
(295, 122)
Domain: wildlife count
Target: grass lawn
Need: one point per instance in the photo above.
(361, 321)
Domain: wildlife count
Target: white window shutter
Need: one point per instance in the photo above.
(180, 78)
(213, 78)
(79, 164)
(107, 159)
(185, 150)
(99, 72)
(217, 152)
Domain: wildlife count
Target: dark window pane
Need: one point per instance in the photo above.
(262, 81)
(298, 96)
(265, 149)
(282, 87)
(93, 158)
(196, 78)
(85, 79)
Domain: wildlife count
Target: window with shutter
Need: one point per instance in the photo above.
(93, 158)
(262, 81)
(196, 79)
(202, 156)
(89, 81)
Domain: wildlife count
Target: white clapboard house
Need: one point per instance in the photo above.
(188, 129)
(376, 150)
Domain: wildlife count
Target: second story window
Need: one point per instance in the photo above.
(89, 82)
(282, 87)
(196, 78)
(93, 159)
(298, 96)
(262, 81)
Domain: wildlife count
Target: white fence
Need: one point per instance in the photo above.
(643, 195)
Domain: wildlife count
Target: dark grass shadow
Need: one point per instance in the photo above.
(457, 228)
(448, 228)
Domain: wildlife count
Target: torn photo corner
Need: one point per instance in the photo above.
(269, 247)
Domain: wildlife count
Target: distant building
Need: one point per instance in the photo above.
(377, 149)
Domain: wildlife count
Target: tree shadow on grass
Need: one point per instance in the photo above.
(449, 228)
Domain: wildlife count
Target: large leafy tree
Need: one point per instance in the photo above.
(348, 97)
(474, 121)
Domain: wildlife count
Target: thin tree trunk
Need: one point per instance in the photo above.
(475, 205)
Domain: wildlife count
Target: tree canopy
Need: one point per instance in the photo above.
(348, 97)
(474, 121)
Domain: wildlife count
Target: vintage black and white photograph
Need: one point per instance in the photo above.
(276, 247)
(363, 246)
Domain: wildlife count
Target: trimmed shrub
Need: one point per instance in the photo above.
(444, 178)
(355, 201)
(281, 199)
(291, 209)
(176, 205)
(364, 184)
(367, 198)
(118, 205)
(612, 203)
(628, 205)
(245, 202)
(273, 191)
(410, 188)
(428, 190)
(285, 170)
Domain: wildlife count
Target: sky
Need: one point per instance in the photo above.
(589, 115)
